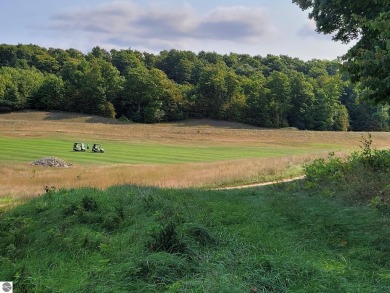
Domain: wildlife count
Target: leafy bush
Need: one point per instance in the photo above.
(107, 109)
(322, 171)
(124, 119)
(363, 177)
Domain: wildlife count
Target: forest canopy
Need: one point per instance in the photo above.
(271, 91)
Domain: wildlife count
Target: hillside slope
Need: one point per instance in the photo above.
(130, 239)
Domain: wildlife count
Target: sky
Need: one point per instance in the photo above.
(254, 27)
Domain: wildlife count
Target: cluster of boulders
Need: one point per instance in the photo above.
(51, 162)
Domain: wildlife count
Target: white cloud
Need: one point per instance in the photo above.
(236, 23)
(126, 24)
(309, 30)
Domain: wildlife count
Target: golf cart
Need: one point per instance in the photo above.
(97, 148)
(78, 147)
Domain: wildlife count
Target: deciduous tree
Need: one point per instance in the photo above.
(367, 22)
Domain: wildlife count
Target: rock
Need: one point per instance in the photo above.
(51, 162)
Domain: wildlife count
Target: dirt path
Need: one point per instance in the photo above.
(260, 184)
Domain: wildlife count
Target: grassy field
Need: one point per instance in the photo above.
(116, 237)
(195, 153)
(130, 239)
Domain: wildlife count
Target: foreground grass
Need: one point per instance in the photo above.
(129, 239)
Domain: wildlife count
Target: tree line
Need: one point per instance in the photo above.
(271, 91)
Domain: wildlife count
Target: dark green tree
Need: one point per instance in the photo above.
(99, 53)
(72, 73)
(75, 54)
(216, 87)
(210, 57)
(328, 91)
(278, 98)
(341, 118)
(101, 83)
(242, 64)
(150, 60)
(8, 55)
(91, 87)
(367, 22)
(234, 107)
(173, 102)
(142, 94)
(273, 63)
(178, 65)
(317, 68)
(50, 95)
(302, 101)
(256, 102)
(18, 87)
(125, 59)
(60, 55)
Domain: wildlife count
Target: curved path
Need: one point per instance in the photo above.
(260, 184)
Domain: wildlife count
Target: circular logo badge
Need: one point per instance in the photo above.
(7, 287)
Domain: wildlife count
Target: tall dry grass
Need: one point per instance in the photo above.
(22, 180)
(192, 132)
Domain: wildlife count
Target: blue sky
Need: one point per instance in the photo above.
(255, 27)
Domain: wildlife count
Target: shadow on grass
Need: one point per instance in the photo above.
(215, 123)
(58, 116)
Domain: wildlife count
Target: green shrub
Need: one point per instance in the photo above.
(124, 119)
(322, 172)
(362, 177)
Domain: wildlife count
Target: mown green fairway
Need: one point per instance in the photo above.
(30, 149)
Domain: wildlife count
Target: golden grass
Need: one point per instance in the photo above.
(192, 132)
(23, 180)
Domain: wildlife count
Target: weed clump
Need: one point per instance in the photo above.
(163, 268)
(201, 235)
(167, 239)
(89, 203)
